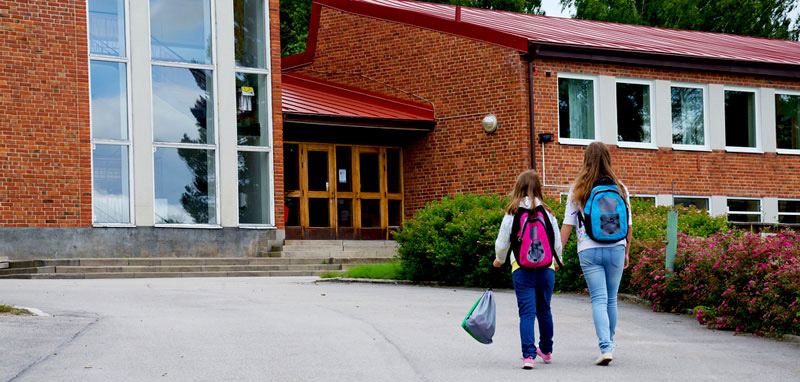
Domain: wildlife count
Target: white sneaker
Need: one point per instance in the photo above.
(604, 359)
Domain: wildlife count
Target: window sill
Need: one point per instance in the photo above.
(112, 225)
(746, 150)
(691, 148)
(257, 226)
(635, 145)
(788, 152)
(574, 141)
(192, 226)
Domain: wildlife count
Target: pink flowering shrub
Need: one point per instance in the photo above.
(733, 280)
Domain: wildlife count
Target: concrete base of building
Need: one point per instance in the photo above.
(52, 243)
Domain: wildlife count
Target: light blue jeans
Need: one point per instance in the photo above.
(602, 269)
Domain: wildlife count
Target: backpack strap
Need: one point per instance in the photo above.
(550, 234)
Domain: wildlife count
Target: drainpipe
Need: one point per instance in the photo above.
(532, 56)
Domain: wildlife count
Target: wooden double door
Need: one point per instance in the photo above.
(342, 192)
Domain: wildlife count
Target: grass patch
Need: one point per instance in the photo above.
(8, 309)
(330, 274)
(386, 271)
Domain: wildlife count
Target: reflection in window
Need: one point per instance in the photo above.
(182, 105)
(110, 188)
(254, 182)
(250, 33)
(740, 119)
(576, 108)
(185, 186)
(699, 203)
(687, 116)
(633, 113)
(180, 30)
(744, 210)
(787, 121)
(109, 96)
(252, 105)
(107, 27)
(789, 211)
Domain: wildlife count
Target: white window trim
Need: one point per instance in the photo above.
(757, 100)
(786, 213)
(706, 119)
(779, 150)
(760, 211)
(126, 59)
(707, 198)
(595, 90)
(215, 104)
(653, 129)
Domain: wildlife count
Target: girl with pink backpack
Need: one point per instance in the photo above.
(529, 232)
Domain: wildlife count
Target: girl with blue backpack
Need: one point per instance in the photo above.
(529, 232)
(599, 205)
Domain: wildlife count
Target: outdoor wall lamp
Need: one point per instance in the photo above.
(490, 124)
(545, 138)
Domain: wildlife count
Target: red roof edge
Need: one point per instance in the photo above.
(306, 58)
(423, 111)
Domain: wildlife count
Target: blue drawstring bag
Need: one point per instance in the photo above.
(480, 320)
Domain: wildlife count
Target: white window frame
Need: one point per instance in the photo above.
(707, 198)
(595, 90)
(268, 148)
(213, 67)
(126, 59)
(706, 119)
(760, 212)
(786, 213)
(653, 128)
(779, 150)
(757, 100)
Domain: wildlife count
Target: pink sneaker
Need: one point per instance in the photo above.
(527, 363)
(547, 358)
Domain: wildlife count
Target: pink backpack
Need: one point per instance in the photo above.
(532, 239)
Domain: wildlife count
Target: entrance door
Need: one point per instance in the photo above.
(342, 192)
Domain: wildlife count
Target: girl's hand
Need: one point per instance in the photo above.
(498, 264)
(627, 261)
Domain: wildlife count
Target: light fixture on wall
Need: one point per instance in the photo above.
(490, 124)
(545, 138)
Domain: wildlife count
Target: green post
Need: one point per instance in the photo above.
(672, 239)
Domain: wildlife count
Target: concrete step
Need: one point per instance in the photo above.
(196, 268)
(10, 271)
(162, 275)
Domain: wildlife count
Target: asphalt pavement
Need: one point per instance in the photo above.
(292, 329)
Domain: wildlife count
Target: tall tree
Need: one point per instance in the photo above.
(759, 18)
(295, 15)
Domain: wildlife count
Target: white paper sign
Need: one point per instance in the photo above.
(342, 175)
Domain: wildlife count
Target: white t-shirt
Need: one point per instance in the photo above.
(571, 218)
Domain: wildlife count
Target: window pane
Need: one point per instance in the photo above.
(633, 113)
(110, 187)
(183, 105)
(744, 205)
(109, 100)
(180, 30)
(393, 170)
(292, 211)
(787, 121)
(687, 116)
(254, 188)
(700, 203)
(743, 218)
(789, 219)
(740, 119)
(576, 108)
(250, 33)
(789, 206)
(185, 181)
(369, 172)
(291, 165)
(344, 169)
(370, 213)
(318, 212)
(395, 212)
(318, 171)
(345, 210)
(107, 27)
(252, 103)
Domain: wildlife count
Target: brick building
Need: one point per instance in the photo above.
(125, 125)
(691, 117)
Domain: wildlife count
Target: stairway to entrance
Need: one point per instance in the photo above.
(294, 258)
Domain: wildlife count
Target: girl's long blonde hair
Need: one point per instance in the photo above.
(596, 164)
(528, 184)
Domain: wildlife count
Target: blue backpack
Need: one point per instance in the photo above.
(606, 213)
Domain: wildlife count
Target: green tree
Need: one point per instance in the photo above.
(759, 18)
(295, 15)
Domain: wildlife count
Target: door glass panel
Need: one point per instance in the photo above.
(317, 170)
(344, 169)
(370, 213)
(318, 212)
(393, 170)
(291, 165)
(345, 210)
(292, 211)
(395, 213)
(370, 172)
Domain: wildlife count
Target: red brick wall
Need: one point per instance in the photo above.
(277, 109)
(45, 150)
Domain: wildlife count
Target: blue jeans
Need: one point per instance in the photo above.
(534, 290)
(602, 269)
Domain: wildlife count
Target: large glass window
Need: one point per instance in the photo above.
(576, 108)
(634, 118)
(688, 115)
(740, 119)
(250, 33)
(744, 210)
(183, 105)
(185, 186)
(108, 77)
(180, 31)
(789, 211)
(787, 121)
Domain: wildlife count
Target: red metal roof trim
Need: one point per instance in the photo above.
(303, 95)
